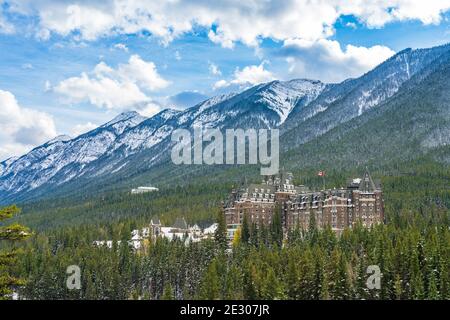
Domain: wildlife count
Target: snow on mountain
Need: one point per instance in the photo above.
(106, 147)
(6, 163)
(267, 105)
(281, 97)
(302, 108)
(44, 162)
(123, 121)
(145, 134)
(193, 112)
(60, 138)
(341, 102)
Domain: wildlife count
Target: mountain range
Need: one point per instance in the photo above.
(398, 111)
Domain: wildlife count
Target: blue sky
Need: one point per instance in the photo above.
(175, 55)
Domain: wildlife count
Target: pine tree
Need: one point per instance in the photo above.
(324, 288)
(245, 232)
(168, 292)
(210, 286)
(433, 293)
(418, 290)
(14, 232)
(250, 277)
(254, 235)
(398, 290)
(276, 227)
(272, 288)
(312, 228)
(292, 280)
(221, 232)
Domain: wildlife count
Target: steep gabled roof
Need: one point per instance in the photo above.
(155, 221)
(180, 223)
(367, 184)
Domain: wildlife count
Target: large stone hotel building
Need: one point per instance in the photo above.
(361, 201)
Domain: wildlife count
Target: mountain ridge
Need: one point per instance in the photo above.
(129, 145)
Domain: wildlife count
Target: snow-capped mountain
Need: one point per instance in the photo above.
(339, 103)
(303, 109)
(42, 163)
(123, 121)
(107, 148)
(4, 165)
(281, 97)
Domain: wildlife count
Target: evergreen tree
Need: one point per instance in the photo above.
(168, 292)
(254, 235)
(220, 234)
(245, 232)
(292, 280)
(433, 293)
(324, 288)
(13, 232)
(210, 287)
(276, 227)
(250, 279)
(398, 291)
(272, 288)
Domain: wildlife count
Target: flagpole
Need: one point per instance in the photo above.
(322, 174)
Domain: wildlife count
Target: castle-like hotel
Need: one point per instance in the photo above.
(361, 201)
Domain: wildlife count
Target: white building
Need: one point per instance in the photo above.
(180, 230)
(140, 190)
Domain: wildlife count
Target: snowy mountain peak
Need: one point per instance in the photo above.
(215, 100)
(168, 113)
(129, 116)
(282, 96)
(130, 141)
(6, 163)
(60, 138)
(124, 121)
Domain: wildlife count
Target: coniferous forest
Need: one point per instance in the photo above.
(411, 250)
(214, 152)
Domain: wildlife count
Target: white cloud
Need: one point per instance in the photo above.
(177, 55)
(5, 26)
(110, 88)
(79, 129)
(149, 109)
(101, 92)
(377, 13)
(245, 21)
(27, 66)
(142, 72)
(250, 75)
(220, 84)
(121, 46)
(325, 60)
(47, 86)
(214, 69)
(22, 128)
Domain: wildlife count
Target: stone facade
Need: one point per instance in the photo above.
(361, 201)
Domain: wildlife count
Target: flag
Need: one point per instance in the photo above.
(321, 173)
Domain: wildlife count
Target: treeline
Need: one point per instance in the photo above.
(406, 186)
(311, 264)
(196, 203)
(411, 250)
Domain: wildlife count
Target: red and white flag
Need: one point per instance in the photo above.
(321, 173)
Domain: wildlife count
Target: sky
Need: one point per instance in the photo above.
(66, 66)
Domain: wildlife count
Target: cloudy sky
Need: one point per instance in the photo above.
(68, 66)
